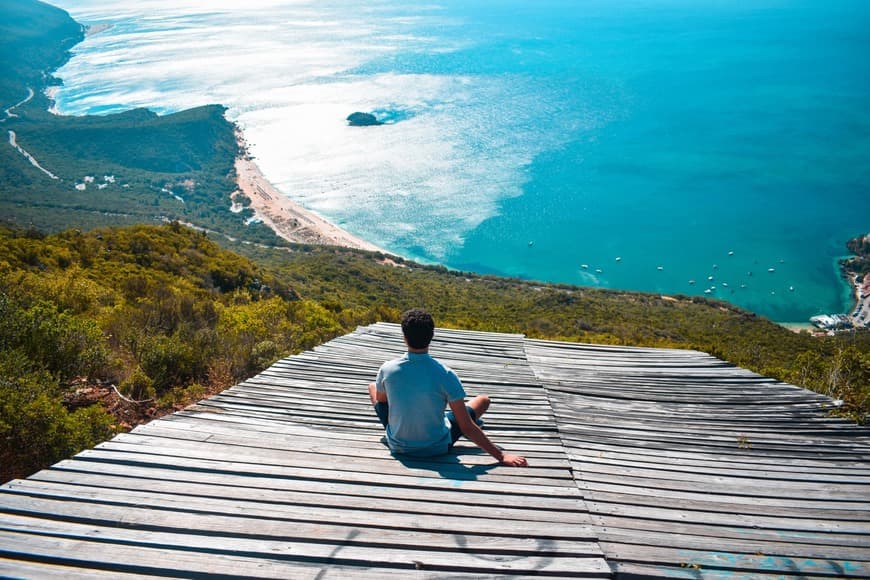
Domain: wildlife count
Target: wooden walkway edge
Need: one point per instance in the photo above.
(643, 463)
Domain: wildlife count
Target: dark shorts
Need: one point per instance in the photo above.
(455, 431)
(383, 412)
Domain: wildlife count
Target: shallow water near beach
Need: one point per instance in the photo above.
(671, 146)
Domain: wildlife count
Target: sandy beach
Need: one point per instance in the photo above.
(288, 219)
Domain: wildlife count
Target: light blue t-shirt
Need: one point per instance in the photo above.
(418, 389)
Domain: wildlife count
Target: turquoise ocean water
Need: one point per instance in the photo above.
(672, 146)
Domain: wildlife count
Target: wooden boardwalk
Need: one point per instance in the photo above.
(643, 462)
(694, 468)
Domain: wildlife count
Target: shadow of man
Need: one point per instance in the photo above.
(449, 465)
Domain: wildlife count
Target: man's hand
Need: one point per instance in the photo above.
(514, 460)
(470, 429)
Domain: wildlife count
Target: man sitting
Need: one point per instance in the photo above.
(411, 393)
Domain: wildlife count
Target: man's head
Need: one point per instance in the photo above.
(418, 328)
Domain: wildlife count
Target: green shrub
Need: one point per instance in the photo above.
(36, 430)
(168, 361)
(138, 386)
(57, 341)
(264, 354)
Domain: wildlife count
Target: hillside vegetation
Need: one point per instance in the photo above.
(119, 169)
(167, 316)
(34, 38)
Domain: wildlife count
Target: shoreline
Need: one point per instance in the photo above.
(286, 218)
(858, 315)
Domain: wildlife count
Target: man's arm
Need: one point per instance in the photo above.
(375, 395)
(474, 433)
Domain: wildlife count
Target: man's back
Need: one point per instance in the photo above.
(418, 388)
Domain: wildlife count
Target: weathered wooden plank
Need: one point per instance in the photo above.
(539, 557)
(174, 511)
(542, 455)
(758, 443)
(358, 422)
(91, 474)
(600, 410)
(635, 571)
(205, 427)
(145, 561)
(287, 386)
(580, 435)
(316, 408)
(742, 460)
(290, 392)
(26, 569)
(263, 461)
(585, 405)
(301, 492)
(740, 483)
(702, 561)
(822, 508)
(248, 471)
(545, 434)
(372, 446)
(704, 469)
(276, 532)
(545, 471)
(707, 543)
(626, 530)
(719, 519)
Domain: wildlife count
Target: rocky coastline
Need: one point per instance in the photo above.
(856, 270)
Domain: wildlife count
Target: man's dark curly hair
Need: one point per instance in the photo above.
(418, 328)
